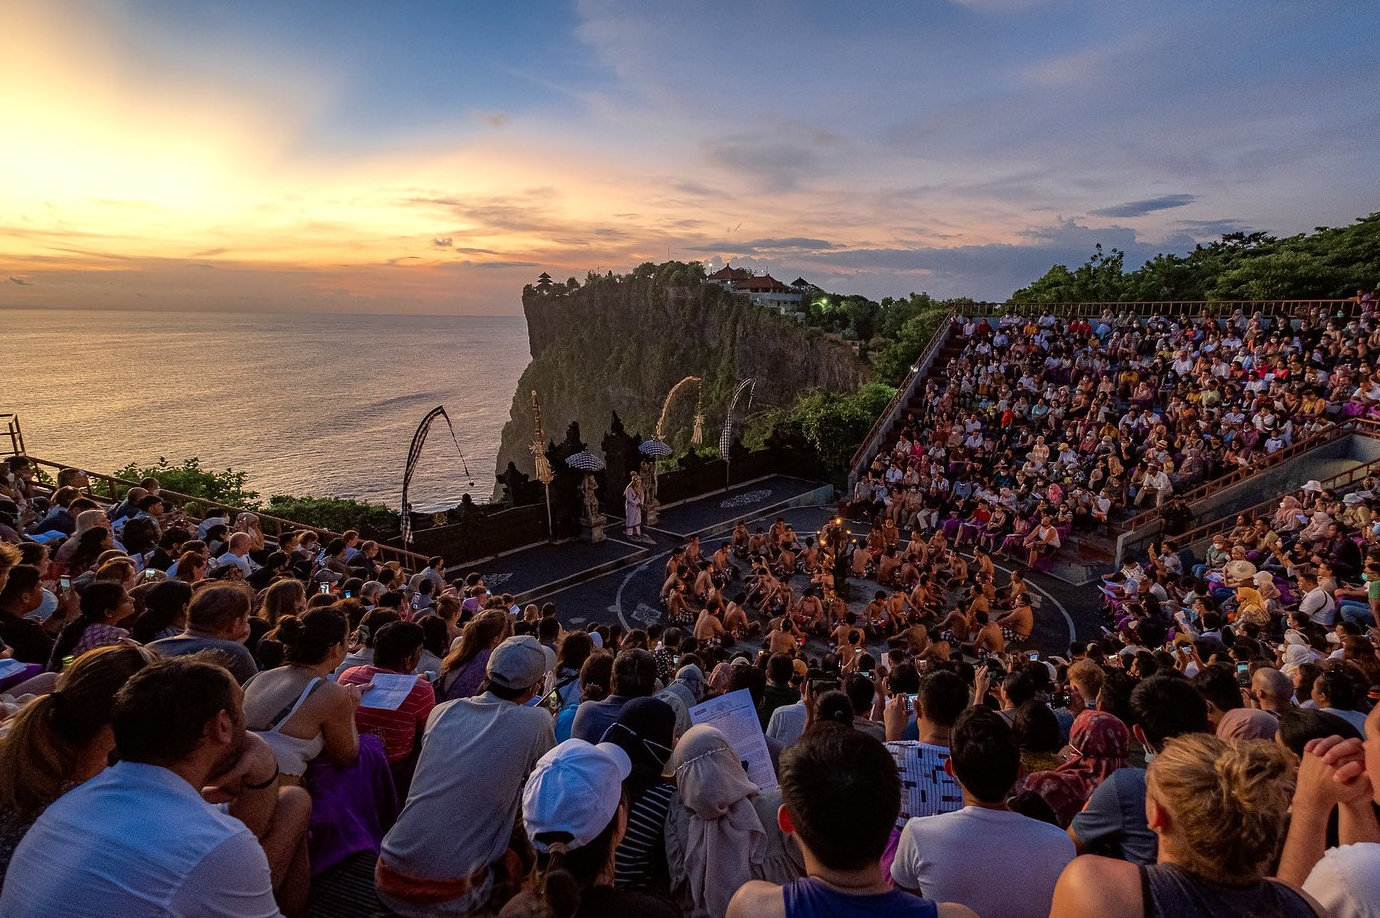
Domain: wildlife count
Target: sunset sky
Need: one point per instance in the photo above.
(432, 157)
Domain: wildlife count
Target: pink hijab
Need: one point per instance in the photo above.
(1101, 744)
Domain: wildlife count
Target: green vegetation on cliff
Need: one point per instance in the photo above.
(618, 343)
(1329, 263)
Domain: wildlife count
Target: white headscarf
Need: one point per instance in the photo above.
(726, 835)
(1295, 655)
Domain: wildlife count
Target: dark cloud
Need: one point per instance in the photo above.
(502, 264)
(792, 243)
(693, 188)
(1147, 206)
(443, 242)
(779, 162)
(989, 272)
(20, 281)
(1214, 227)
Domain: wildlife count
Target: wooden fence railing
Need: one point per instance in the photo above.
(115, 488)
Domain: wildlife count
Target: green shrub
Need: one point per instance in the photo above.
(227, 487)
(335, 513)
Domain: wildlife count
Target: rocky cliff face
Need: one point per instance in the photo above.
(620, 344)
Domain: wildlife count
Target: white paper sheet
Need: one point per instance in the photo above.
(389, 692)
(735, 717)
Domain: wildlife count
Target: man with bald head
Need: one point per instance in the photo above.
(237, 553)
(1271, 691)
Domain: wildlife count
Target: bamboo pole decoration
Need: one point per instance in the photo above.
(697, 432)
(543, 465)
(666, 405)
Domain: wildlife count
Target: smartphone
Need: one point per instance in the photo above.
(150, 574)
(913, 699)
(325, 588)
(65, 583)
(349, 595)
(1243, 673)
(820, 686)
(1033, 655)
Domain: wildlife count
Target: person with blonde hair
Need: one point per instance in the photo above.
(9, 558)
(286, 597)
(86, 521)
(1218, 808)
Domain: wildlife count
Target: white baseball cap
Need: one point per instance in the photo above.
(574, 790)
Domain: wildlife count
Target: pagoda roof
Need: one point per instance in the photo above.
(730, 273)
(760, 284)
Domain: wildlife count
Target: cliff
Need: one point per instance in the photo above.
(619, 343)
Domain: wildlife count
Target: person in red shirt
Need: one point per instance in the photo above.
(397, 649)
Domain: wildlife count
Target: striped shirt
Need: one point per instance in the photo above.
(640, 859)
(398, 729)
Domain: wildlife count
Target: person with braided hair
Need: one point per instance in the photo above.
(1218, 808)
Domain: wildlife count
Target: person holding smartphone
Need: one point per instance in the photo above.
(30, 641)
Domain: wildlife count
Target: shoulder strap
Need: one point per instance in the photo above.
(291, 709)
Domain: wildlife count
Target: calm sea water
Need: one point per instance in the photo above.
(320, 405)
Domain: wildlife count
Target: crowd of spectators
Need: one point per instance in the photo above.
(567, 777)
(201, 721)
(1042, 426)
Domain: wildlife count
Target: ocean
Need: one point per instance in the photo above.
(306, 404)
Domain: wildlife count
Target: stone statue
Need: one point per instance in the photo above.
(651, 507)
(592, 517)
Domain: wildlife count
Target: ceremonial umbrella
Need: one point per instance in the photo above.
(585, 461)
(656, 449)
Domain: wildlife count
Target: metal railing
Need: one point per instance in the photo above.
(1364, 426)
(1147, 308)
(1255, 511)
(1135, 536)
(904, 393)
(273, 526)
(1241, 473)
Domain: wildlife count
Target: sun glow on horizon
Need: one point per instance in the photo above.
(199, 153)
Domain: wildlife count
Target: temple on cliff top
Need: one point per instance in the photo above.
(763, 289)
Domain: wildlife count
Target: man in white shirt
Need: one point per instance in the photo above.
(1317, 603)
(997, 862)
(448, 853)
(138, 839)
(237, 553)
